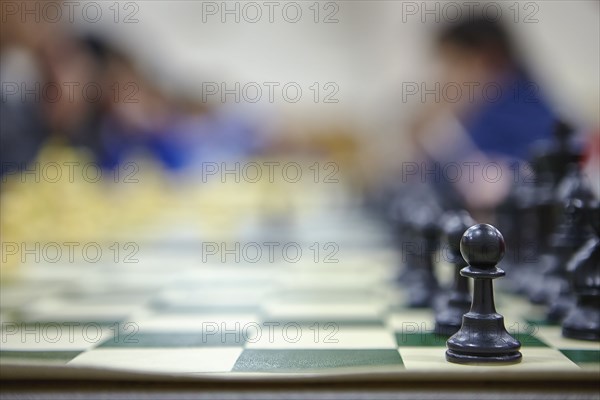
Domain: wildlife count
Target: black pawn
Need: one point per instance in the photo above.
(583, 321)
(551, 286)
(449, 318)
(482, 337)
(551, 161)
(423, 244)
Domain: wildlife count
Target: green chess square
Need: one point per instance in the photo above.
(330, 323)
(541, 322)
(582, 356)
(172, 339)
(419, 339)
(58, 357)
(306, 360)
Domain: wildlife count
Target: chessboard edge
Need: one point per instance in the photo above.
(20, 372)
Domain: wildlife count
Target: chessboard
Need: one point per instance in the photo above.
(312, 299)
(165, 280)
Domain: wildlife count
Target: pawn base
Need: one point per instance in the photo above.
(559, 308)
(583, 322)
(580, 334)
(458, 358)
(483, 339)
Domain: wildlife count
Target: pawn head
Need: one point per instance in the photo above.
(482, 246)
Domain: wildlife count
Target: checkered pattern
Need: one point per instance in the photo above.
(173, 314)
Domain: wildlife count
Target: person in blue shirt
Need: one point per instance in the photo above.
(487, 113)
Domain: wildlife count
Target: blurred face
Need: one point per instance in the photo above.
(462, 66)
(138, 106)
(28, 32)
(68, 65)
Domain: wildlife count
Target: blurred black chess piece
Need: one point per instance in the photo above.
(449, 317)
(574, 195)
(551, 162)
(408, 230)
(482, 337)
(583, 320)
(419, 249)
(402, 230)
(530, 213)
(518, 218)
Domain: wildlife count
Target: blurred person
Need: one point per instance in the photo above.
(179, 133)
(74, 116)
(493, 118)
(23, 127)
(93, 96)
(82, 91)
(137, 115)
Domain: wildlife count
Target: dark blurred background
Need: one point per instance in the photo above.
(376, 87)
